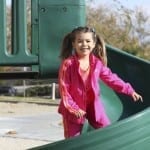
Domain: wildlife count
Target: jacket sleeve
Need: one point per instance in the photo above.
(64, 88)
(115, 82)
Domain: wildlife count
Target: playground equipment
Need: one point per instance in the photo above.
(130, 120)
(51, 20)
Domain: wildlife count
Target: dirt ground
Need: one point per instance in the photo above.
(8, 109)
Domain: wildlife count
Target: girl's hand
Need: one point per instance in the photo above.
(80, 113)
(137, 97)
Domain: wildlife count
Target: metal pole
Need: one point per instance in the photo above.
(53, 91)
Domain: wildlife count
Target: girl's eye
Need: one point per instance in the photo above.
(80, 41)
(83, 41)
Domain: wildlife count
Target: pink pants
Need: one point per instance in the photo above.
(72, 128)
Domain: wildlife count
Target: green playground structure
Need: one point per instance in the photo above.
(130, 121)
(50, 21)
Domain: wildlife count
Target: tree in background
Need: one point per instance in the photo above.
(122, 27)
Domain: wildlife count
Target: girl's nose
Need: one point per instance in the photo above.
(84, 43)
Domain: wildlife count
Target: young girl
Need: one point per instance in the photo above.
(84, 63)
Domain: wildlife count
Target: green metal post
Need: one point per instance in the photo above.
(20, 56)
(2, 27)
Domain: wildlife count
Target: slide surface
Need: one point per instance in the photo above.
(130, 121)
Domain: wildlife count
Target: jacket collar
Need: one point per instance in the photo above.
(92, 59)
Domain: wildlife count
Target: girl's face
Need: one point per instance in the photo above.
(84, 44)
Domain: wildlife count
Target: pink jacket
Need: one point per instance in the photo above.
(72, 89)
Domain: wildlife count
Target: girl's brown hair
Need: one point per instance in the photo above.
(99, 50)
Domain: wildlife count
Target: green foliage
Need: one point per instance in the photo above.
(121, 27)
(44, 90)
(38, 91)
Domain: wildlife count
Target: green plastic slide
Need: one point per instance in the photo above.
(130, 121)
